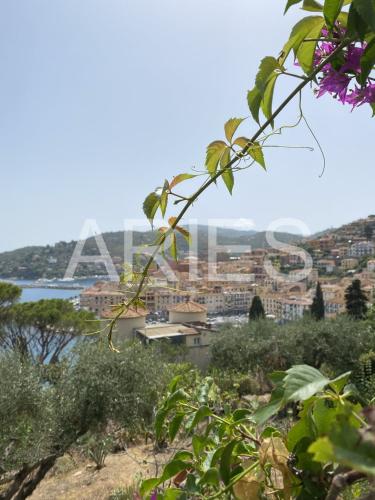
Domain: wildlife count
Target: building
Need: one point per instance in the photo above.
(361, 249)
(126, 324)
(190, 312)
(101, 296)
(187, 327)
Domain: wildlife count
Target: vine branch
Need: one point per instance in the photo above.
(213, 178)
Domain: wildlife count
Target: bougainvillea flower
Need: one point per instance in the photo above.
(341, 80)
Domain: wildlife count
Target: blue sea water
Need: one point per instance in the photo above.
(38, 293)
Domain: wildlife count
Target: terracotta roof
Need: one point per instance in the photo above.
(188, 307)
(132, 312)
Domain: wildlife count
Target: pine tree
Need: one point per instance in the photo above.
(356, 300)
(317, 308)
(256, 309)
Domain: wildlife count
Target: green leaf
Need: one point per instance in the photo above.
(198, 443)
(306, 50)
(373, 108)
(324, 416)
(299, 430)
(150, 206)
(241, 414)
(176, 397)
(340, 382)
(228, 179)
(231, 126)
(262, 414)
(367, 61)
(322, 450)
(346, 446)
(173, 247)
(357, 26)
(160, 417)
(183, 455)
(290, 3)
(266, 103)
(173, 468)
(180, 178)
(312, 6)
(366, 10)
(172, 386)
(256, 153)
(227, 174)
(226, 461)
(213, 155)
(254, 98)
(175, 425)
(332, 9)
(202, 413)
(267, 67)
(211, 476)
(148, 485)
(172, 494)
(299, 32)
(302, 382)
(164, 198)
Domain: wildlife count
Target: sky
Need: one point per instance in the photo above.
(101, 100)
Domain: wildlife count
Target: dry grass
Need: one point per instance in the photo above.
(70, 482)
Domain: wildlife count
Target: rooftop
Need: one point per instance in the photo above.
(188, 307)
(132, 312)
(169, 330)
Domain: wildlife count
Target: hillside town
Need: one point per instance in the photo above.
(339, 256)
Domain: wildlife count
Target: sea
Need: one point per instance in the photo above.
(56, 289)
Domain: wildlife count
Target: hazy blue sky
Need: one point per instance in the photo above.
(102, 100)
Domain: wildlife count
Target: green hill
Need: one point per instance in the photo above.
(51, 261)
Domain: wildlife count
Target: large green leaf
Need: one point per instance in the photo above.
(226, 461)
(302, 382)
(178, 396)
(299, 431)
(332, 9)
(175, 425)
(262, 414)
(160, 417)
(306, 50)
(211, 476)
(367, 61)
(347, 447)
(299, 32)
(366, 10)
(148, 485)
(173, 468)
(202, 413)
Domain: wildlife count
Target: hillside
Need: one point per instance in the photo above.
(51, 261)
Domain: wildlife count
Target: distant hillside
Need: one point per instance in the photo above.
(51, 261)
(353, 230)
